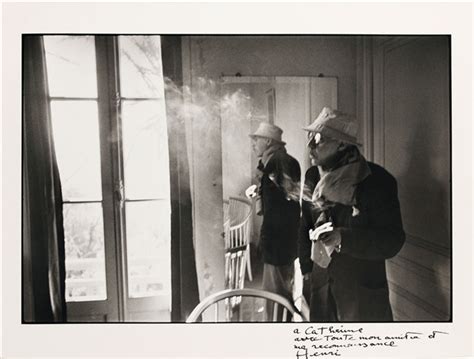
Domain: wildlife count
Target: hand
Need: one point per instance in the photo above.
(315, 234)
(331, 239)
(307, 276)
(251, 192)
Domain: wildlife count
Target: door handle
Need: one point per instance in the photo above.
(120, 193)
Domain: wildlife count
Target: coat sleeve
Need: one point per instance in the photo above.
(304, 243)
(288, 177)
(383, 237)
(306, 223)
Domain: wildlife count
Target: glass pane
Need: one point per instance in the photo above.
(141, 73)
(148, 248)
(71, 66)
(145, 147)
(85, 263)
(76, 140)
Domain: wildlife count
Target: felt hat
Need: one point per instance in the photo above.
(268, 130)
(335, 124)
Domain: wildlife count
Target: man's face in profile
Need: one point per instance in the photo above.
(322, 149)
(260, 145)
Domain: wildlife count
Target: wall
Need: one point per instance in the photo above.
(332, 56)
(412, 140)
(210, 57)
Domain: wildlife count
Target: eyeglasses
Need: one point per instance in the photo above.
(314, 136)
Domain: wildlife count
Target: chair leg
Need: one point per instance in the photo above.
(249, 265)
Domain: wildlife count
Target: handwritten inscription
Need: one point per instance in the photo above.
(332, 340)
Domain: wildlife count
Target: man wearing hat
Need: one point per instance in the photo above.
(278, 202)
(351, 223)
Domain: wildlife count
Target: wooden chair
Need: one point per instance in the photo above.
(251, 306)
(235, 265)
(237, 219)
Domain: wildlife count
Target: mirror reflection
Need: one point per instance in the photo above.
(290, 103)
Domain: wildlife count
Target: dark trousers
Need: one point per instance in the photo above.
(321, 301)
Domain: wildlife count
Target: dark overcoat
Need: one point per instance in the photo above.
(354, 286)
(281, 214)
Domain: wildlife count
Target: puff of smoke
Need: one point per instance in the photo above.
(295, 192)
(203, 101)
(315, 201)
(291, 188)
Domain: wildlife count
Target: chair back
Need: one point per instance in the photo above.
(235, 263)
(245, 305)
(237, 215)
(237, 222)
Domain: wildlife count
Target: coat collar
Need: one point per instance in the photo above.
(270, 151)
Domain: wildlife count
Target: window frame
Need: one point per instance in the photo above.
(118, 306)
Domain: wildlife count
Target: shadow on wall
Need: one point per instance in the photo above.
(420, 274)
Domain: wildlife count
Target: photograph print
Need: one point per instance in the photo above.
(236, 178)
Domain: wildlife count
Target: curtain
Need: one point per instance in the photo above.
(43, 233)
(184, 277)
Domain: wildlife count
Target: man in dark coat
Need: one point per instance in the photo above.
(278, 203)
(351, 223)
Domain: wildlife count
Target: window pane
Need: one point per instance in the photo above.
(76, 140)
(140, 66)
(145, 146)
(148, 248)
(85, 263)
(71, 66)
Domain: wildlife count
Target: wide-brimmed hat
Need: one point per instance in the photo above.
(335, 124)
(268, 130)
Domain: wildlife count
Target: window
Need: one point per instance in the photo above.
(146, 161)
(110, 134)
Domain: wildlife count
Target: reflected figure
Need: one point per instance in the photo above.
(351, 224)
(277, 200)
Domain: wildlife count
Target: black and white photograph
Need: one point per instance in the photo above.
(196, 181)
(161, 171)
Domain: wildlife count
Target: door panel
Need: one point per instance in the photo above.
(412, 141)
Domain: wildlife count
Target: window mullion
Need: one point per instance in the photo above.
(112, 174)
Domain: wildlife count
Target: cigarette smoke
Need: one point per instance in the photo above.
(204, 103)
